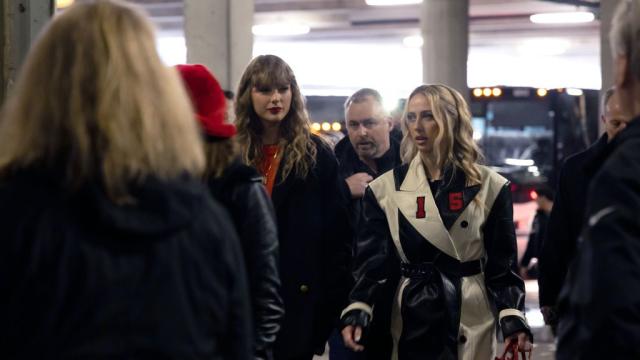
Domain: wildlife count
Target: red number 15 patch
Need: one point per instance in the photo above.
(455, 201)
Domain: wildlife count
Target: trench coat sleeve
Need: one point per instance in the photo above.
(236, 343)
(505, 287)
(557, 247)
(600, 303)
(373, 254)
(255, 219)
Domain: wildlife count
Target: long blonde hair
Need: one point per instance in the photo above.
(95, 102)
(295, 133)
(454, 144)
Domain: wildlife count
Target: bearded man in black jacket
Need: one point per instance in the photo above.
(367, 151)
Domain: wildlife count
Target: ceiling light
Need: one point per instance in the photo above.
(574, 92)
(280, 29)
(562, 17)
(61, 4)
(392, 2)
(519, 162)
(413, 41)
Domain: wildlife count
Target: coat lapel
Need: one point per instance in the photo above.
(281, 189)
(413, 190)
(453, 196)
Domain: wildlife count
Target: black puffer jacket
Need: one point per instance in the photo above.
(599, 305)
(84, 278)
(241, 191)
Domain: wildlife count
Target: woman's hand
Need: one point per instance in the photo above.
(351, 335)
(524, 342)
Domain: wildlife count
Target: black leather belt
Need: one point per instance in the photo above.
(446, 265)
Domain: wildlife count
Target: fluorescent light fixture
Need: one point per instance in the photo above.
(280, 29)
(519, 162)
(413, 41)
(562, 17)
(392, 2)
(574, 92)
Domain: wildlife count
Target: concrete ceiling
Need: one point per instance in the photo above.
(493, 23)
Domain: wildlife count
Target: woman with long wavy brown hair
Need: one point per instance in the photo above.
(450, 222)
(111, 246)
(300, 173)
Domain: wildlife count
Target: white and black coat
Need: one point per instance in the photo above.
(457, 249)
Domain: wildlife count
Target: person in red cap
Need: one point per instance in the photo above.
(301, 173)
(239, 188)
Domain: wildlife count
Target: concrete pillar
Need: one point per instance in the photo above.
(218, 35)
(445, 30)
(607, 8)
(22, 21)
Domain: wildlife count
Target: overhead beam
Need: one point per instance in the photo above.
(588, 4)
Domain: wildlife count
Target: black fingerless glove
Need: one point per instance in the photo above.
(513, 324)
(357, 317)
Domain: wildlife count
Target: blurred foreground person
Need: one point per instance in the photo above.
(599, 306)
(450, 221)
(239, 188)
(567, 215)
(112, 247)
(301, 174)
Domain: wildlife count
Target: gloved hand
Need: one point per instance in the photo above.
(355, 324)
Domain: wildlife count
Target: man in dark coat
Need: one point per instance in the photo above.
(529, 262)
(367, 151)
(599, 305)
(566, 219)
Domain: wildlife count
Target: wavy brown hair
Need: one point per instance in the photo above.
(454, 144)
(295, 133)
(95, 102)
(219, 154)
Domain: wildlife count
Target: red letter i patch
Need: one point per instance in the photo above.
(421, 213)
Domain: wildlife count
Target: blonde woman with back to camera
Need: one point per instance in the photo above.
(112, 248)
(300, 173)
(450, 222)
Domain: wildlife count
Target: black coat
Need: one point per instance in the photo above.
(241, 191)
(313, 231)
(534, 245)
(565, 222)
(83, 278)
(378, 342)
(600, 304)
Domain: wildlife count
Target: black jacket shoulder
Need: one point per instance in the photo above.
(78, 272)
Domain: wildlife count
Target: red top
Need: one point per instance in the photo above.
(269, 166)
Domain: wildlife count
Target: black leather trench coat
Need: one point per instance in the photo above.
(457, 248)
(241, 191)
